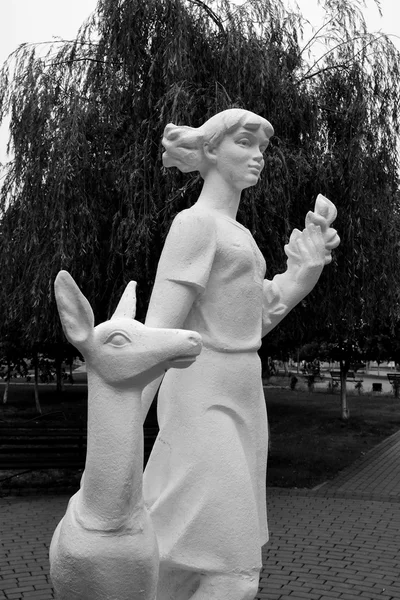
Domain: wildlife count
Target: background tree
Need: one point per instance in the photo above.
(356, 164)
(86, 190)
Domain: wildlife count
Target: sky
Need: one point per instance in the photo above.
(42, 20)
(37, 21)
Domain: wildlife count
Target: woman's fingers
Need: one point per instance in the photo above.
(312, 247)
(292, 253)
(332, 240)
(314, 238)
(312, 217)
(291, 249)
(325, 208)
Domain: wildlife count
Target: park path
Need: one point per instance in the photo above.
(376, 475)
(339, 541)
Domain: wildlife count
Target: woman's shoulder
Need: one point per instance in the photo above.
(189, 248)
(192, 231)
(195, 214)
(194, 221)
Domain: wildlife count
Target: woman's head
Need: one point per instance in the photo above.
(184, 146)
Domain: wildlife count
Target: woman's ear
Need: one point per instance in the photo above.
(210, 152)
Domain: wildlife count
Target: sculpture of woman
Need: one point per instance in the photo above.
(204, 483)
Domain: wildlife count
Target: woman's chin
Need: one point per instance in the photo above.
(251, 180)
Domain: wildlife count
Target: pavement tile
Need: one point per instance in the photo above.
(340, 541)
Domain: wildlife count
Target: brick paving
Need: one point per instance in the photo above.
(375, 475)
(26, 527)
(331, 548)
(340, 541)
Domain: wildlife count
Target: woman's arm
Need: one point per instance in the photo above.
(289, 288)
(182, 274)
(307, 251)
(169, 306)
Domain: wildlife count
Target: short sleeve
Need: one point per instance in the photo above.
(273, 307)
(189, 249)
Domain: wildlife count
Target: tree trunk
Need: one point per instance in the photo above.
(344, 367)
(59, 379)
(71, 377)
(37, 402)
(5, 395)
(36, 384)
(8, 377)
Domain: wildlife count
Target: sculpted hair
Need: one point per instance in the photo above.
(184, 145)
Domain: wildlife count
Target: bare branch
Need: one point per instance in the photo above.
(76, 60)
(210, 13)
(323, 70)
(331, 50)
(314, 37)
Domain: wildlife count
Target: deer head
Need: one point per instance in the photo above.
(121, 351)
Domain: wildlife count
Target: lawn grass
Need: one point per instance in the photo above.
(309, 442)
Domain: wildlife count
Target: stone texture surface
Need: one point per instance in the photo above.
(105, 545)
(204, 484)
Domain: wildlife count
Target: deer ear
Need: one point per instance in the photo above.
(75, 311)
(126, 308)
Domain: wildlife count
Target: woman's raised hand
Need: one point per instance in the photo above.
(308, 251)
(317, 240)
(306, 256)
(324, 214)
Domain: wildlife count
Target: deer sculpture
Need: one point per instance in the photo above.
(105, 548)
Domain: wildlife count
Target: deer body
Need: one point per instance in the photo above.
(105, 547)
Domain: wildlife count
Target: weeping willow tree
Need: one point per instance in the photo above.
(86, 190)
(356, 156)
(363, 170)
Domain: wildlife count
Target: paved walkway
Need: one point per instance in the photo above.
(375, 476)
(340, 541)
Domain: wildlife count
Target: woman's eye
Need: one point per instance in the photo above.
(118, 339)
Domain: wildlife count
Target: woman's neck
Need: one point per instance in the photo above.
(217, 195)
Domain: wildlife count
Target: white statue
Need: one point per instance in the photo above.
(204, 484)
(105, 548)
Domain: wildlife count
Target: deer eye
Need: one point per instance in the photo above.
(118, 339)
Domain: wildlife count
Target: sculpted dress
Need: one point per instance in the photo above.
(204, 483)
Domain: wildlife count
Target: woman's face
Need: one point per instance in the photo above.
(239, 157)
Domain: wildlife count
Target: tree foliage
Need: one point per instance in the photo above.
(86, 190)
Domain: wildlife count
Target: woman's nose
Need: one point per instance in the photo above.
(258, 156)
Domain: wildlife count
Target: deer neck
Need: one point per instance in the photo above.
(111, 491)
